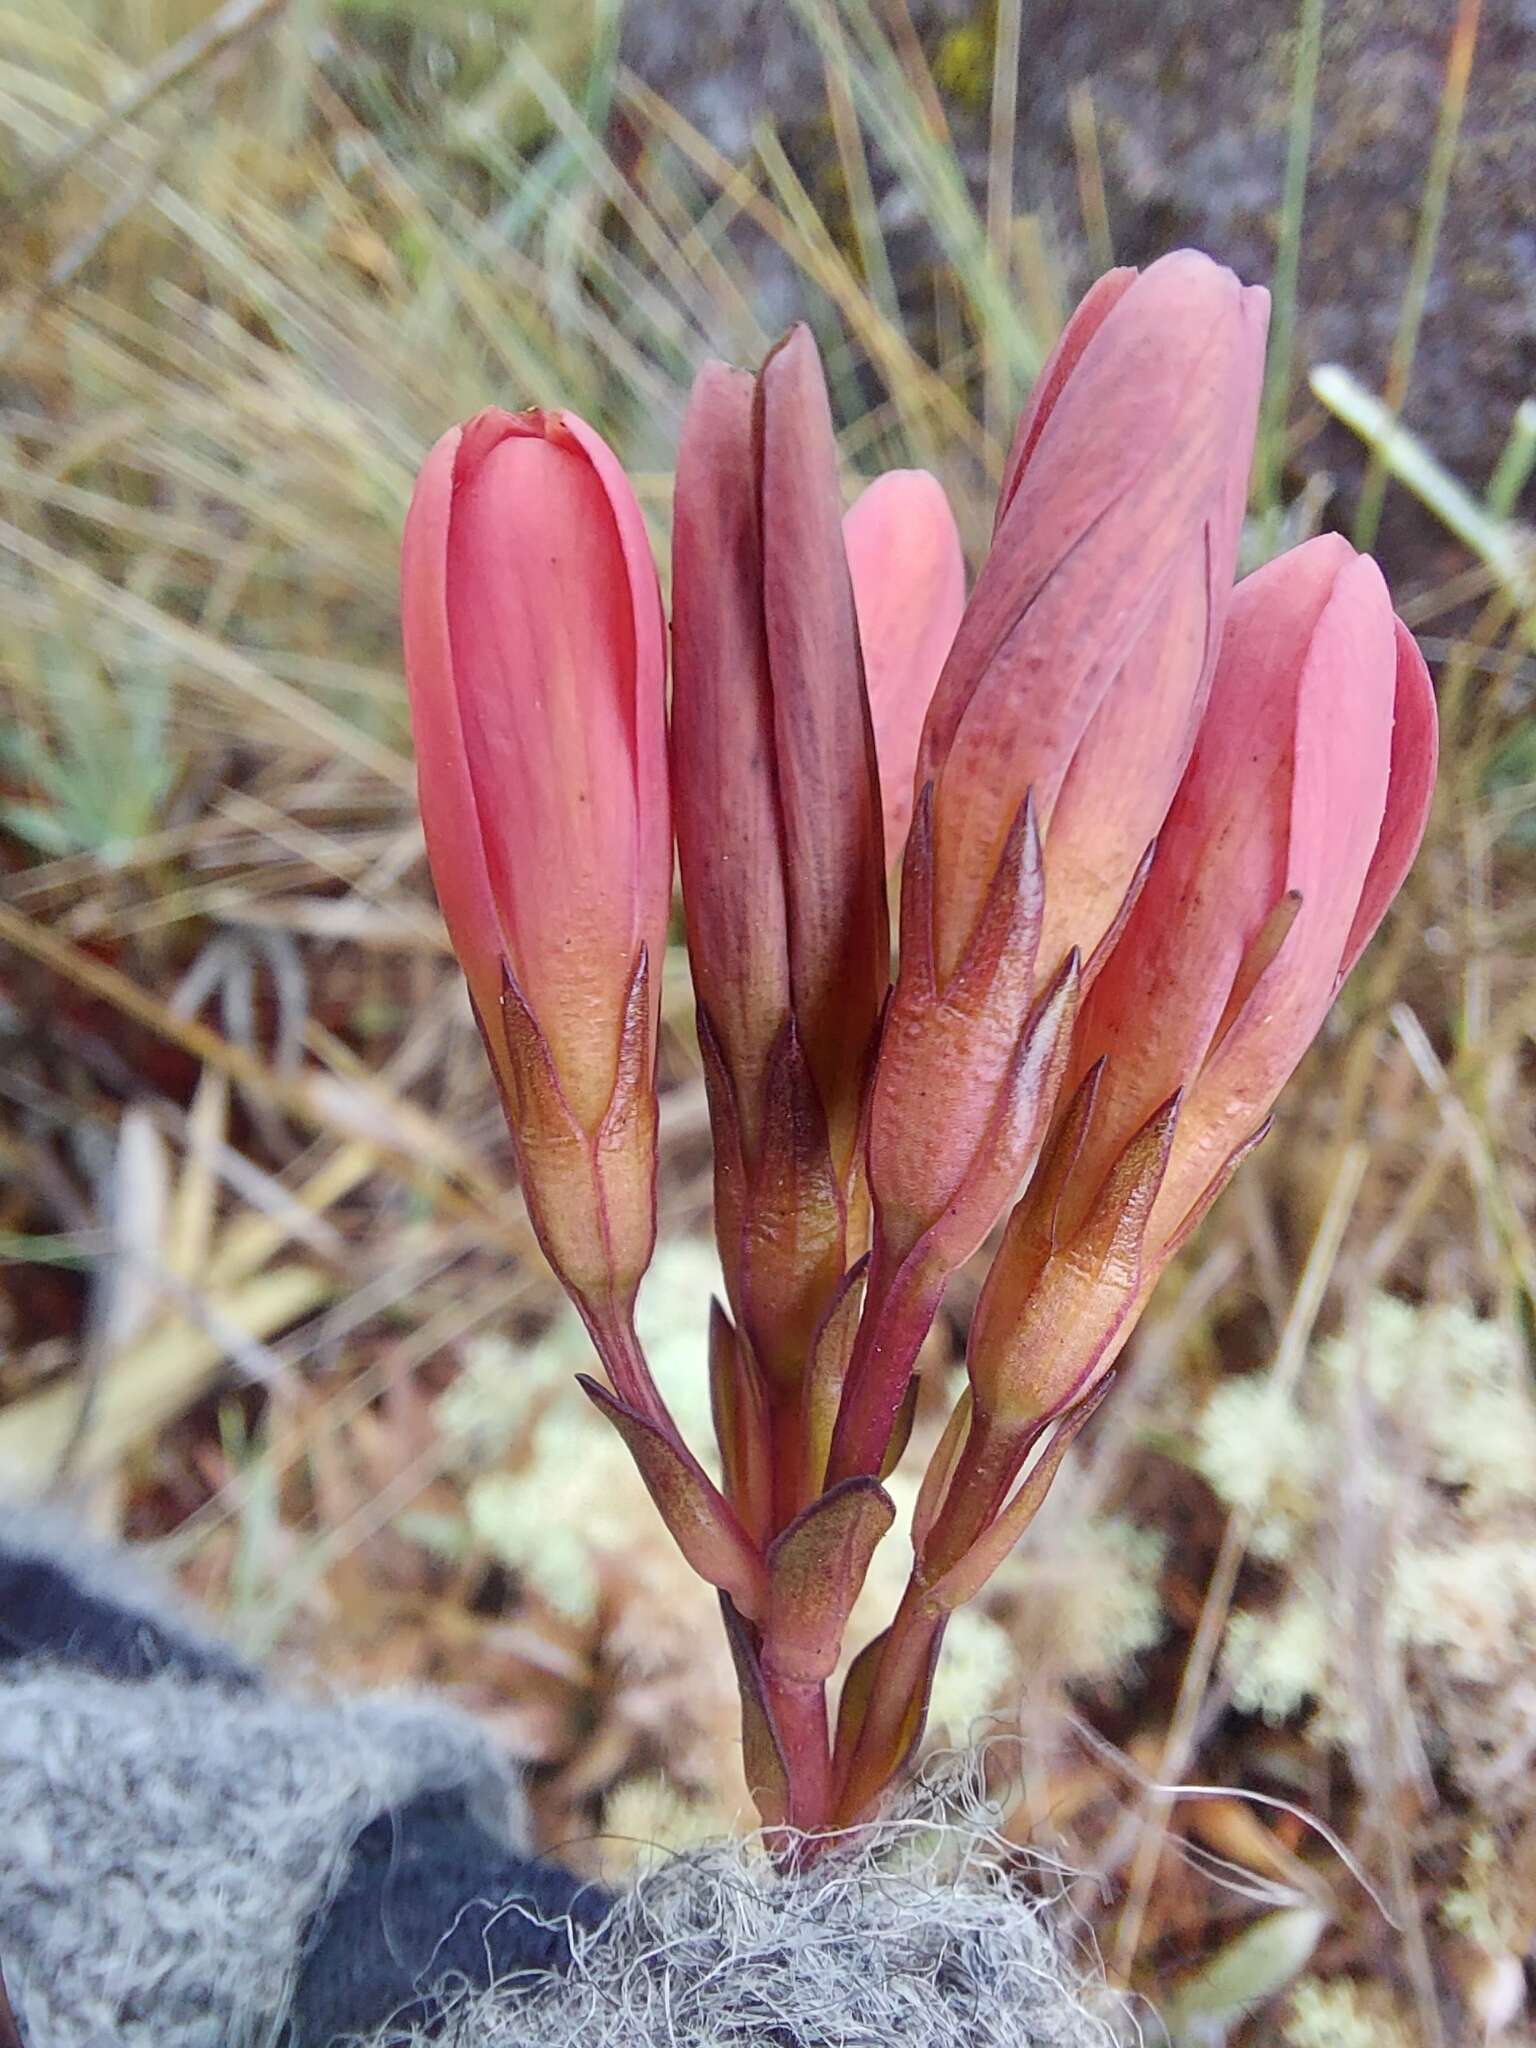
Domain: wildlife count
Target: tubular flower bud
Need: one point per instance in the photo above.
(908, 575)
(1082, 663)
(1053, 745)
(779, 834)
(1297, 820)
(1300, 813)
(536, 656)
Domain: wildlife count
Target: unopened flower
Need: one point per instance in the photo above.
(1149, 825)
(536, 656)
(779, 834)
(1052, 748)
(1298, 817)
(1081, 667)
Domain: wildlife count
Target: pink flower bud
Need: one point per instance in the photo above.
(779, 833)
(1082, 663)
(1297, 820)
(1054, 743)
(536, 656)
(908, 573)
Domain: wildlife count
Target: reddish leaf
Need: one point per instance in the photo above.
(740, 1417)
(816, 1568)
(965, 1579)
(762, 1754)
(941, 1470)
(703, 1523)
(822, 1387)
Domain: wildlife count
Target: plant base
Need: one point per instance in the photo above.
(914, 1935)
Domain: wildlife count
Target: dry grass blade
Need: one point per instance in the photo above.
(1290, 1355)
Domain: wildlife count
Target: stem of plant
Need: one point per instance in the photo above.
(612, 1330)
(981, 1481)
(1437, 185)
(799, 1711)
(1277, 380)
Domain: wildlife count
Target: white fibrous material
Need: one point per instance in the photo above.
(919, 1934)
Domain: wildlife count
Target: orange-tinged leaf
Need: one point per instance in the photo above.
(853, 1706)
(864, 1770)
(816, 1568)
(793, 1217)
(941, 1470)
(1040, 1331)
(762, 1754)
(740, 1414)
(822, 1388)
(965, 1579)
(703, 1524)
(901, 1429)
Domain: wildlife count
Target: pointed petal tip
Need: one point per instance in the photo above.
(794, 354)
(1162, 1125)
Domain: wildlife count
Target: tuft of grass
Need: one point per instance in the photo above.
(95, 760)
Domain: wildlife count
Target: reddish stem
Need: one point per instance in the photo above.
(987, 1467)
(611, 1327)
(986, 1470)
(799, 1712)
(786, 1455)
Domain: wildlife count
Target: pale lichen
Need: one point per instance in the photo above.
(1343, 2014)
(1396, 1485)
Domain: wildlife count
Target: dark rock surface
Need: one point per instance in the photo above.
(1192, 102)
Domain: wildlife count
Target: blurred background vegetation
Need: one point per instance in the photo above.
(1264, 1678)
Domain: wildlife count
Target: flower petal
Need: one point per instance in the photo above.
(1410, 789)
(1138, 463)
(730, 842)
(908, 572)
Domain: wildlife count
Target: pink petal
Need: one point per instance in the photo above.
(1293, 736)
(828, 781)
(1093, 309)
(908, 572)
(1127, 766)
(449, 808)
(1410, 790)
(652, 797)
(1343, 751)
(1135, 458)
(555, 638)
(730, 843)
